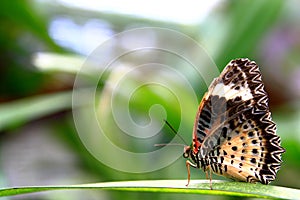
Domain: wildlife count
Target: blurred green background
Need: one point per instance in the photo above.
(43, 44)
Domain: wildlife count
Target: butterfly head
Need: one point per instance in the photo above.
(187, 150)
(193, 159)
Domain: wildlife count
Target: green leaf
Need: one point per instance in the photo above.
(174, 186)
(248, 22)
(47, 61)
(21, 15)
(27, 109)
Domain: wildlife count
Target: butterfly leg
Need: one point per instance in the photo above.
(188, 164)
(206, 174)
(210, 179)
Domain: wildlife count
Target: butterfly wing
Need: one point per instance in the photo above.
(228, 94)
(233, 127)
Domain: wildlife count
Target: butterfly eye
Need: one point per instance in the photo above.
(185, 155)
(186, 151)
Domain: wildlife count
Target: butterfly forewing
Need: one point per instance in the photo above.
(234, 134)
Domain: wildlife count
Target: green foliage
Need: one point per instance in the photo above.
(248, 22)
(20, 112)
(173, 186)
(31, 87)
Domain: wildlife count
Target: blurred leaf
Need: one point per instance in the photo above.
(58, 62)
(174, 186)
(22, 15)
(25, 110)
(248, 21)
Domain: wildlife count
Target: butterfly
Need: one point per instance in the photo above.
(234, 135)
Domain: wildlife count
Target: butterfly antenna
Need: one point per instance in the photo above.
(168, 144)
(174, 131)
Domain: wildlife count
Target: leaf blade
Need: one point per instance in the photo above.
(173, 186)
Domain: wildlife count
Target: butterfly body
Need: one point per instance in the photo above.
(234, 135)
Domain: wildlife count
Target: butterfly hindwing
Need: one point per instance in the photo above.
(233, 130)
